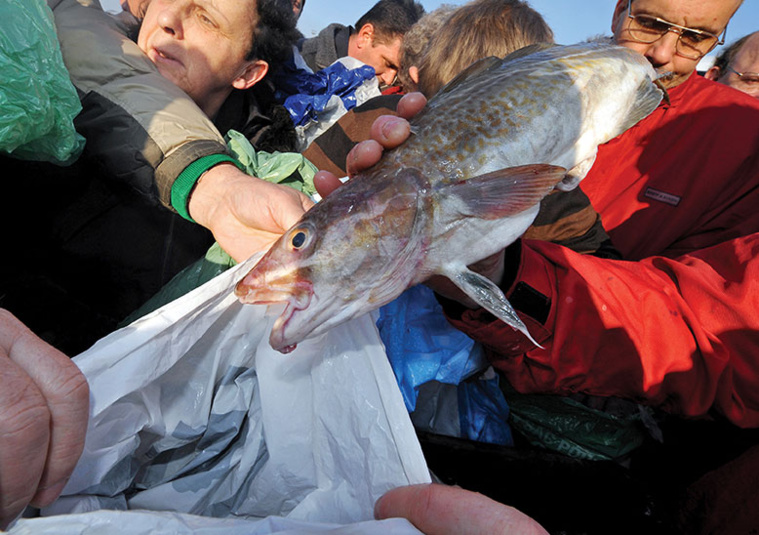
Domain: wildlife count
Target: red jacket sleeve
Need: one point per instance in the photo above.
(682, 334)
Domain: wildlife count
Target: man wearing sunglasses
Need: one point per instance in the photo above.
(738, 65)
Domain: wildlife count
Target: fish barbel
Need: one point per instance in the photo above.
(467, 183)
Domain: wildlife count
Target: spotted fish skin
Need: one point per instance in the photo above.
(468, 182)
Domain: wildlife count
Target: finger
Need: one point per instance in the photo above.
(66, 395)
(442, 510)
(325, 183)
(410, 104)
(390, 131)
(24, 439)
(363, 156)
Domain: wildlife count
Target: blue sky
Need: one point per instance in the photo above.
(571, 21)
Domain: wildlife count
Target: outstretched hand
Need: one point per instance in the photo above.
(442, 510)
(44, 405)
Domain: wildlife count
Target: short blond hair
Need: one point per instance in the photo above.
(415, 42)
(477, 30)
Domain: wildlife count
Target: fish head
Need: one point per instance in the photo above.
(352, 253)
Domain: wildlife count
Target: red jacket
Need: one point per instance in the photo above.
(680, 333)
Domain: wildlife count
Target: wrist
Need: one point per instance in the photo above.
(211, 193)
(185, 184)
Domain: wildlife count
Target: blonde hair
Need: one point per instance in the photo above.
(415, 42)
(477, 30)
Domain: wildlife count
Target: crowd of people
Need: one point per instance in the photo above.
(671, 325)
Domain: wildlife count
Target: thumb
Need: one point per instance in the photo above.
(442, 510)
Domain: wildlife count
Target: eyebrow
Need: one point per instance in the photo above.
(715, 31)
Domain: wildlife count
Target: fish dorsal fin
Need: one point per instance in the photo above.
(488, 295)
(647, 98)
(528, 50)
(474, 69)
(505, 192)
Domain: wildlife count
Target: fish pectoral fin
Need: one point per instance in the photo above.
(647, 98)
(488, 295)
(505, 192)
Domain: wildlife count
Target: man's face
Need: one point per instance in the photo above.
(747, 62)
(383, 57)
(707, 15)
(200, 45)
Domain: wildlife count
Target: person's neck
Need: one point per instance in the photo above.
(212, 104)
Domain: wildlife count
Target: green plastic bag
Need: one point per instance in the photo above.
(566, 426)
(38, 102)
(287, 168)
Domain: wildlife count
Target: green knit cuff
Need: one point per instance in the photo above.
(185, 182)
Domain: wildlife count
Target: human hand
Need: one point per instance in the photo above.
(387, 132)
(442, 510)
(244, 213)
(44, 405)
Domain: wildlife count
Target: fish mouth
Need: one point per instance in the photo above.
(295, 292)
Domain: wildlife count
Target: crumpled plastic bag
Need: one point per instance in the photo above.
(38, 102)
(287, 168)
(317, 100)
(566, 426)
(164, 523)
(193, 412)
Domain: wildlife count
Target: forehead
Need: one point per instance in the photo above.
(709, 15)
(390, 50)
(237, 15)
(747, 58)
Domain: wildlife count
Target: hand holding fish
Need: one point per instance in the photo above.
(388, 132)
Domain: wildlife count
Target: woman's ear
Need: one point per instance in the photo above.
(253, 73)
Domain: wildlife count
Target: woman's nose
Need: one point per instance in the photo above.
(170, 18)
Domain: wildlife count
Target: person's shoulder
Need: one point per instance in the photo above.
(704, 92)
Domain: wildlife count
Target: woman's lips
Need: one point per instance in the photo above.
(161, 56)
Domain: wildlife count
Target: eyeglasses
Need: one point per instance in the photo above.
(750, 78)
(691, 43)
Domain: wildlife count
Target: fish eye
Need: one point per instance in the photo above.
(299, 239)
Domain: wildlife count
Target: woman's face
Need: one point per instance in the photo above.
(201, 45)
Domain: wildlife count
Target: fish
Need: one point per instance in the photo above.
(467, 183)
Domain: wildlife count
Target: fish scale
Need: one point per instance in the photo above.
(468, 182)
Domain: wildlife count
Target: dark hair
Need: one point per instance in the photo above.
(391, 18)
(274, 34)
(727, 55)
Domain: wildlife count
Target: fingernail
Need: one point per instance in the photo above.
(390, 127)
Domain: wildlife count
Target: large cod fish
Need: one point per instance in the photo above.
(468, 182)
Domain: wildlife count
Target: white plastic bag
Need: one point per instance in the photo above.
(193, 412)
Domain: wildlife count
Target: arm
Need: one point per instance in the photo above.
(149, 134)
(44, 402)
(681, 334)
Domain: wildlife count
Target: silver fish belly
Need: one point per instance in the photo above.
(484, 152)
